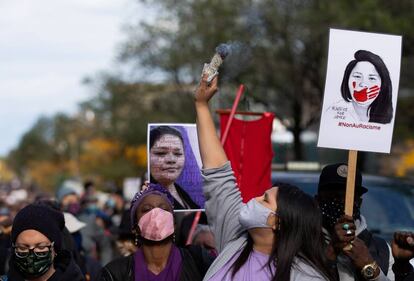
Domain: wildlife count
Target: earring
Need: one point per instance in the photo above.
(136, 239)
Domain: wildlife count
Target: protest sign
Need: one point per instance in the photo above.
(361, 90)
(174, 161)
(360, 96)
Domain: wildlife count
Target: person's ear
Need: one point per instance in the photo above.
(272, 221)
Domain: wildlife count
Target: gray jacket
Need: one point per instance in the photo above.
(223, 203)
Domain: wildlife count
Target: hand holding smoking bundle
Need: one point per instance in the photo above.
(211, 69)
(205, 90)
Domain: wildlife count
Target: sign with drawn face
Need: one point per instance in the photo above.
(174, 162)
(361, 91)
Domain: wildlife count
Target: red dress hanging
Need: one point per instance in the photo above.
(249, 149)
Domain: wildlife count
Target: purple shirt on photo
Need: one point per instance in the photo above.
(190, 179)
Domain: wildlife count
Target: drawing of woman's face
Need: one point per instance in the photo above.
(364, 83)
(167, 159)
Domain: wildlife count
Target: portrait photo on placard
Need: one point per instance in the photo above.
(174, 162)
(361, 90)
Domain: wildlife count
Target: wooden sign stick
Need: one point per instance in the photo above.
(350, 182)
(350, 187)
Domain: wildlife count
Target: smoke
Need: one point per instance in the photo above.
(251, 19)
(222, 50)
(238, 57)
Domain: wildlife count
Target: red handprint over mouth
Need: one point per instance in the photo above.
(366, 93)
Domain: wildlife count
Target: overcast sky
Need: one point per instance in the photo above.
(46, 48)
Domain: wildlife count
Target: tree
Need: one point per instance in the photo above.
(286, 41)
(278, 50)
(34, 145)
(124, 109)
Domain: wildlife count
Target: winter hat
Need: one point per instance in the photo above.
(152, 189)
(64, 191)
(44, 219)
(333, 177)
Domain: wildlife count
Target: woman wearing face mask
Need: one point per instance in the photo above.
(157, 258)
(366, 91)
(37, 247)
(276, 236)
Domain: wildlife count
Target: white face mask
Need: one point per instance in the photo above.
(253, 214)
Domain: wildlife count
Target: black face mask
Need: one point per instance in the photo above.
(333, 209)
(33, 266)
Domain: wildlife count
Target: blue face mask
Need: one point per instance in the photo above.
(92, 209)
(110, 203)
(253, 214)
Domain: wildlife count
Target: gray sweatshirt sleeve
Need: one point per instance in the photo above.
(223, 203)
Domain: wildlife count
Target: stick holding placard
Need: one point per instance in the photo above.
(350, 187)
(350, 182)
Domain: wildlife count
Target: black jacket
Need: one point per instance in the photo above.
(196, 261)
(378, 249)
(408, 277)
(5, 249)
(66, 269)
(403, 271)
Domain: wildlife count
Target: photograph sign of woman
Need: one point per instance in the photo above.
(361, 91)
(174, 162)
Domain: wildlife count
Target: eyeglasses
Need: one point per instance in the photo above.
(40, 251)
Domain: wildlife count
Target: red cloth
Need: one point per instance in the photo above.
(249, 149)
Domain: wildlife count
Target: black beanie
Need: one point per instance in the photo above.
(44, 219)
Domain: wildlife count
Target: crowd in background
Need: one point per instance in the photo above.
(97, 224)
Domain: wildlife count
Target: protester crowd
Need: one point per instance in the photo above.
(284, 234)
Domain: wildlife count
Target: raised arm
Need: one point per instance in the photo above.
(223, 199)
(211, 150)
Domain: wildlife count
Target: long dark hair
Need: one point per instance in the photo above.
(380, 110)
(299, 235)
(158, 132)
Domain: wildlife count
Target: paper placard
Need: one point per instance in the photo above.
(361, 89)
(174, 158)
